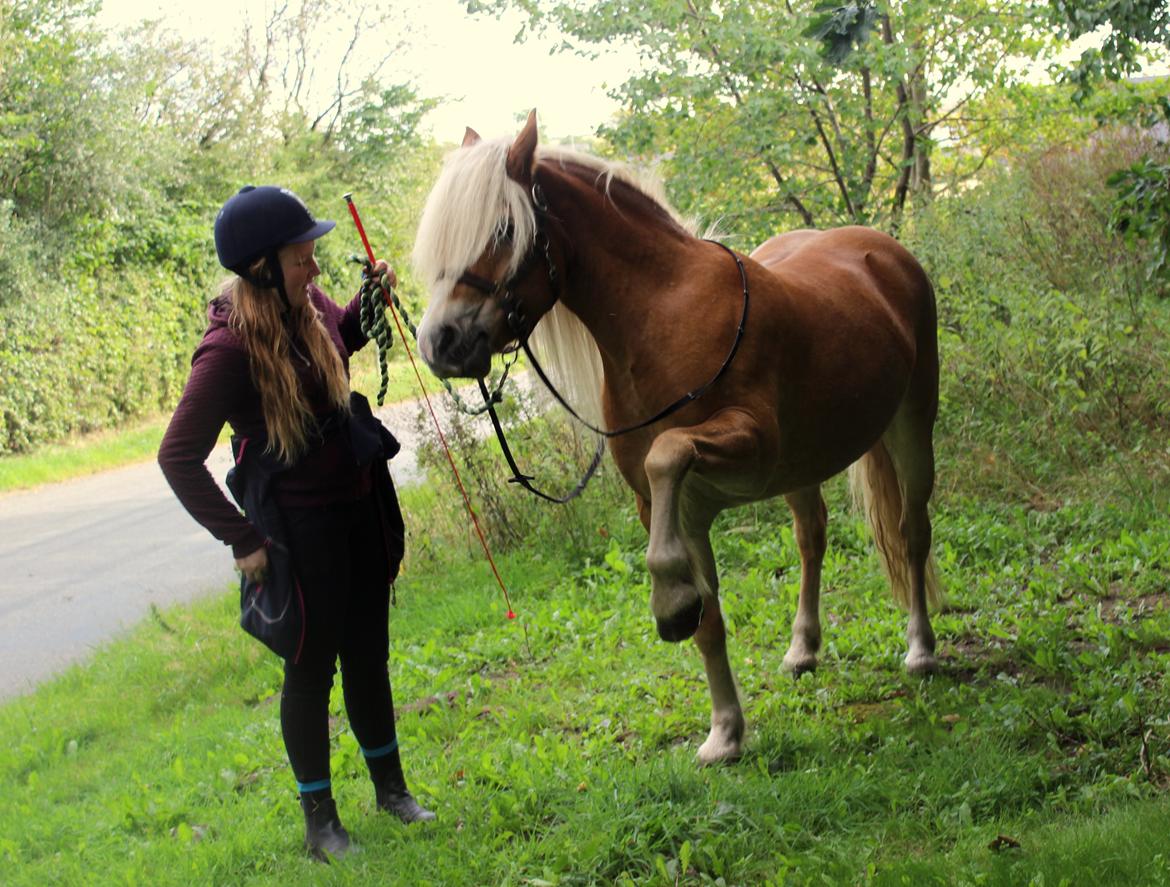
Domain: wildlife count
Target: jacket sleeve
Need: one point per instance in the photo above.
(349, 325)
(216, 375)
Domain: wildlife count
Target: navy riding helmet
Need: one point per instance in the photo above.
(257, 221)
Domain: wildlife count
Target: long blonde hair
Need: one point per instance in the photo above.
(256, 316)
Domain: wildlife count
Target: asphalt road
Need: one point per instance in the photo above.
(82, 560)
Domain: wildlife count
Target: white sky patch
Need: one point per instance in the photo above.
(487, 81)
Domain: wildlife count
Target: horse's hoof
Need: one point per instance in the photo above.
(797, 664)
(683, 624)
(724, 742)
(719, 752)
(921, 664)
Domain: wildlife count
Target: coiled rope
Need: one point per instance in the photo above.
(372, 318)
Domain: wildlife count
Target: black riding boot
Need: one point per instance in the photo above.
(390, 789)
(325, 836)
(400, 802)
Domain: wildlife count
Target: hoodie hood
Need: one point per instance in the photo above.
(218, 310)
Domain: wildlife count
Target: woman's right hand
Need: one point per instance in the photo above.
(254, 565)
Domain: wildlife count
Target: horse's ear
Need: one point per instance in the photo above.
(470, 137)
(522, 154)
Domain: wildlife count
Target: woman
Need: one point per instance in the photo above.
(274, 364)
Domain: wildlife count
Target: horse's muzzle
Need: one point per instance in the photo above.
(454, 352)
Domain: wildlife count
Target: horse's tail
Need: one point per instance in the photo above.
(873, 481)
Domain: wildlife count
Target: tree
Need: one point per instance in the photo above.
(822, 113)
(1130, 31)
(61, 149)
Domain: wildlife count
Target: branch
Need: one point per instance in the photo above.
(867, 177)
(908, 135)
(774, 170)
(828, 146)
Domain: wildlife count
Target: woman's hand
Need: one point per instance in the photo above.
(383, 267)
(255, 565)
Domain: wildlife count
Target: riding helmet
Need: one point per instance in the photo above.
(258, 220)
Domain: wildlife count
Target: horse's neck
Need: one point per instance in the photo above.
(618, 268)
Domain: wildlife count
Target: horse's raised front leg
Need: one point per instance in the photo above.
(693, 474)
(809, 516)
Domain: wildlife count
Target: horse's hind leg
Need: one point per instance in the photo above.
(809, 516)
(908, 441)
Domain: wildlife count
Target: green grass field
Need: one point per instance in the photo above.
(559, 748)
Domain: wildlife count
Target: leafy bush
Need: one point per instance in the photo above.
(1054, 358)
(20, 255)
(91, 352)
(1142, 211)
(545, 446)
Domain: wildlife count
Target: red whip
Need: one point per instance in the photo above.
(442, 439)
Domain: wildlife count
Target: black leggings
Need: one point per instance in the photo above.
(339, 555)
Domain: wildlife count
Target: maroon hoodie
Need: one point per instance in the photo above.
(219, 390)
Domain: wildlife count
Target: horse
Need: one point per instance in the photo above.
(832, 364)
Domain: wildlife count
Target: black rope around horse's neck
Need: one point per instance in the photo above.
(525, 480)
(687, 398)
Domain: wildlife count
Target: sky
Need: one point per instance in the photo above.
(489, 80)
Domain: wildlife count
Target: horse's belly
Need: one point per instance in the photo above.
(822, 439)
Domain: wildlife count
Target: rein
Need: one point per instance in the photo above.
(514, 314)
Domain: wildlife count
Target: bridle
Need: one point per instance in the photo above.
(502, 289)
(517, 321)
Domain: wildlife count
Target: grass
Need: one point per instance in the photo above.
(559, 749)
(82, 455)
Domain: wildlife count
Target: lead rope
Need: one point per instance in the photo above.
(376, 295)
(390, 299)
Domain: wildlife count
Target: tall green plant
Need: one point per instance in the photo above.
(1142, 212)
(1052, 353)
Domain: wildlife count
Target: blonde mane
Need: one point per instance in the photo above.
(471, 206)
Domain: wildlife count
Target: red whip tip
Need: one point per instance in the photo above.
(511, 615)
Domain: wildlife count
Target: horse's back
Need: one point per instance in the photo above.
(840, 264)
(846, 324)
(805, 248)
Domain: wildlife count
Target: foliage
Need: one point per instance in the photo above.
(1052, 348)
(1133, 30)
(91, 353)
(1142, 210)
(546, 446)
(60, 141)
(757, 128)
(112, 167)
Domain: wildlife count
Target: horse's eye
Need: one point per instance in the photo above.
(505, 233)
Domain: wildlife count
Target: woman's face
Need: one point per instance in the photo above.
(299, 266)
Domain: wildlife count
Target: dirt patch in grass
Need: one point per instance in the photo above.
(1115, 607)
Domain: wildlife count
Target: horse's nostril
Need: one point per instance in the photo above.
(446, 337)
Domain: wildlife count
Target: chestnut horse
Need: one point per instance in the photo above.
(835, 362)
